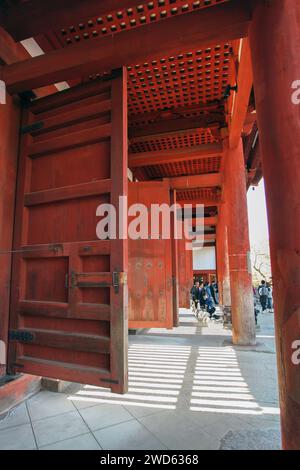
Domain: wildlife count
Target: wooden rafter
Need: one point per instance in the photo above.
(196, 181)
(207, 221)
(241, 99)
(171, 125)
(12, 52)
(166, 156)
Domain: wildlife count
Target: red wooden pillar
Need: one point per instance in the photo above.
(275, 44)
(175, 268)
(9, 137)
(223, 258)
(242, 305)
(185, 267)
(219, 261)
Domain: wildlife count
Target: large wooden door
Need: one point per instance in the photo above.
(150, 281)
(69, 299)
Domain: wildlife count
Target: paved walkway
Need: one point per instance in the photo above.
(188, 389)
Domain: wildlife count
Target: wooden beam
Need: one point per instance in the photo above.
(176, 34)
(207, 237)
(166, 126)
(26, 20)
(196, 181)
(178, 133)
(12, 52)
(204, 202)
(207, 221)
(214, 111)
(241, 99)
(172, 156)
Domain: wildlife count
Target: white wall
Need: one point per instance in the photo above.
(204, 258)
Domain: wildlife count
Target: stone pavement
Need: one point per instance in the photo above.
(189, 388)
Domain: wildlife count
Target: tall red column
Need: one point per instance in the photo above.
(175, 267)
(242, 305)
(222, 257)
(185, 273)
(275, 44)
(219, 261)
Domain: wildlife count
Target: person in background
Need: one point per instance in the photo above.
(270, 297)
(263, 295)
(195, 294)
(216, 291)
(209, 300)
(202, 296)
(213, 292)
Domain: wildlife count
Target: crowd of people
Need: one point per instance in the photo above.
(204, 297)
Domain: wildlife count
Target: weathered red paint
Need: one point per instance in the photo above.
(243, 322)
(276, 28)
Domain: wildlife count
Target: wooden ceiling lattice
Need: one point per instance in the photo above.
(172, 142)
(186, 79)
(144, 13)
(184, 168)
(183, 80)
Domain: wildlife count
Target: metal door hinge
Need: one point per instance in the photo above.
(36, 126)
(21, 335)
(118, 278)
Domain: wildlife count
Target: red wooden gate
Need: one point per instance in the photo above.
(69, 315)
(150, 265)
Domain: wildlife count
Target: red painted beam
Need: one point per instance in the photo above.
(208, 237)
(241, 101)
(171, 125)
(205, 202)
(213, 111)
(172, 156)
(177, 133)
(196, 181)
(207, 221)
(200, 28)
(12, 52)
(34, 17)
